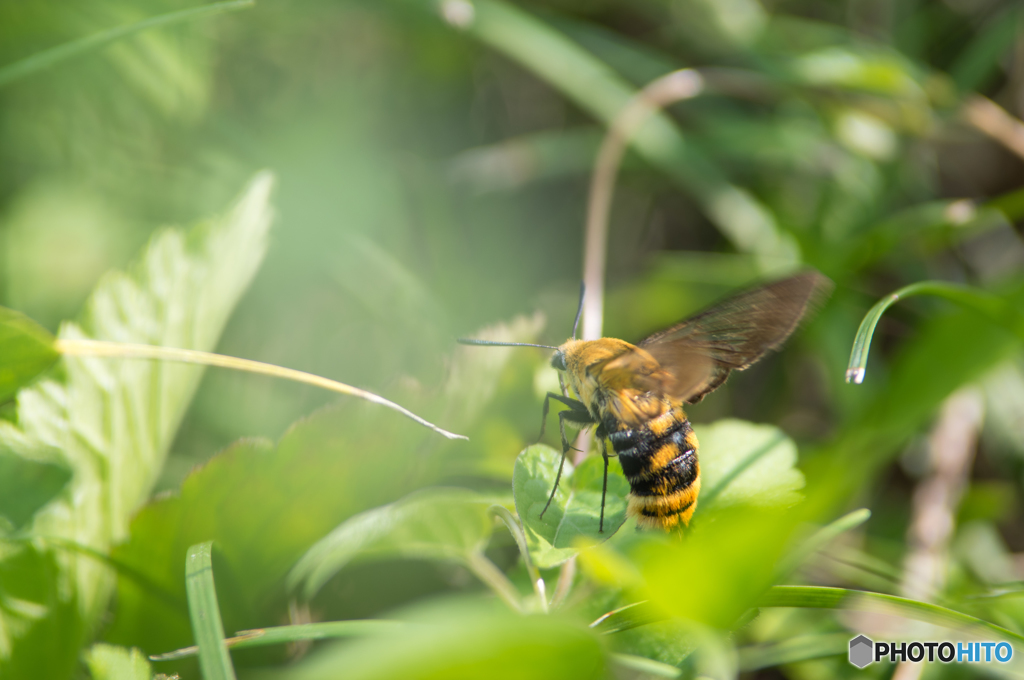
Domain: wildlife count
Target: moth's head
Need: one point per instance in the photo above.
(558, 360)
(566, 354)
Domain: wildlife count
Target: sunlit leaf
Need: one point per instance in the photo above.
(729, 561)
(26, 350)
(666, 641)
(746, 463)
(575, 511)
(111, 422)
(109, 662)
(877, 71)
(438, 524)
(461, 640)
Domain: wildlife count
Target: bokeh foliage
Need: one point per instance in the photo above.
(432, 161)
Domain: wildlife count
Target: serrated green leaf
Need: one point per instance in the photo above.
(575, 511)
(111, 422)
(26, 350)
(436, 524)
(746, 463)
(110, 662)
(265, 505)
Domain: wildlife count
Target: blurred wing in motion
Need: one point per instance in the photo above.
(698, 354)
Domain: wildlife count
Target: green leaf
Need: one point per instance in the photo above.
(458, 640)
(26, 350)
(265, 505)
(575, 511)
(434, 524)
(111, 422)
(869, 70)
(26, 485)
(746, 463)
(669, 642)
(110, 662)
(728, 563)
(214, 659)
(978, 61)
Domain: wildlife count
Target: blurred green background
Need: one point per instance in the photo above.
(432, 163)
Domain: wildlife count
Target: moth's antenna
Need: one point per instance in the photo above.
(579, 310)
(492, 343)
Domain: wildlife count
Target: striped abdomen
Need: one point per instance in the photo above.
(659, 459)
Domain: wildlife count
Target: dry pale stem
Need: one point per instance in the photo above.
(951, 447)
(996, 122)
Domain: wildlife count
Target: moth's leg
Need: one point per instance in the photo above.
(561, 383)
(568, 401)
(579, 416)
(604, 487)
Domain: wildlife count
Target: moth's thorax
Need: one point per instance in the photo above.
(612, 388)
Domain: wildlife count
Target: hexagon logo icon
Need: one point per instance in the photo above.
(861, 651)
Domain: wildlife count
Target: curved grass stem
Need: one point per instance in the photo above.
(988, 304)
(495, 578)
(119, 350)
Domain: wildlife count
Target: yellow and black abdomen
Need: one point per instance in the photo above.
(659, 458)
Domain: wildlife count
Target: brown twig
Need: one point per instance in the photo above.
(675, 86)
(996, 122)
(951, 448)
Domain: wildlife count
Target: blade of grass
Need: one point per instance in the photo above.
(495, 579)
(803, 648)
(261, 637)
(817, 597)
(988, 304)
(55, 55)
(514, 528)
(204, 611)
(645, 666)
(119, 350)
(821, 538)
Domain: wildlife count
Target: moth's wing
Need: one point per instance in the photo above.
(634, 383)
(699, 353)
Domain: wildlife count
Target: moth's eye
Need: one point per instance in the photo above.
(558, 361)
